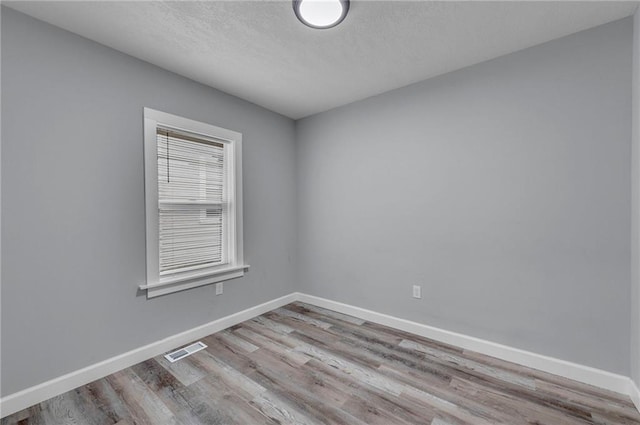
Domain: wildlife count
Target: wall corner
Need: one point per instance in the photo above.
(635, 205)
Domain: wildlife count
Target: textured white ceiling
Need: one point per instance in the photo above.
(258, 51)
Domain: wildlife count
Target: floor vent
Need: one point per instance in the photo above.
(184, 352)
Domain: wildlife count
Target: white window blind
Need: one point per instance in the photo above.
(193, 204)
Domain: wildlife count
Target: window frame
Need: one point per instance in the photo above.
(157, 284)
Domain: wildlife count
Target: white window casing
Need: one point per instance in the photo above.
(193, 203)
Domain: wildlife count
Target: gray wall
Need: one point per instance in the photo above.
(73, 241)
(635, 207)
(503, 189)
(0, 208)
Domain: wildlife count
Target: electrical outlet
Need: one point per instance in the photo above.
(417, 291)
(219, 288)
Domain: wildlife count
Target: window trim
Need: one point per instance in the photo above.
(156, 284)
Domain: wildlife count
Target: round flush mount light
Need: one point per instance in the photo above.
(321, 14)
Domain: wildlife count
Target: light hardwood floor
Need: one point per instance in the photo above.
(305, 365)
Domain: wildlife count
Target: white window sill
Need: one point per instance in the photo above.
(180, 283)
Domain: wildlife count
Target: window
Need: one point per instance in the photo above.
(193, 191)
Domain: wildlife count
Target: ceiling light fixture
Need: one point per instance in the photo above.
(321, 14)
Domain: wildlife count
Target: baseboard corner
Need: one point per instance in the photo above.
(599, 378)
(634, 393)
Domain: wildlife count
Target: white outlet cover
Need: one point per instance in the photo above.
(417, 291)
(219, 288)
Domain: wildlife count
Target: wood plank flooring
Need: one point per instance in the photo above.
(305, 365)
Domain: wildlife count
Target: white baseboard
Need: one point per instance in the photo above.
(634, 393)
(38, 393)
(577, 372)
(596, 377)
